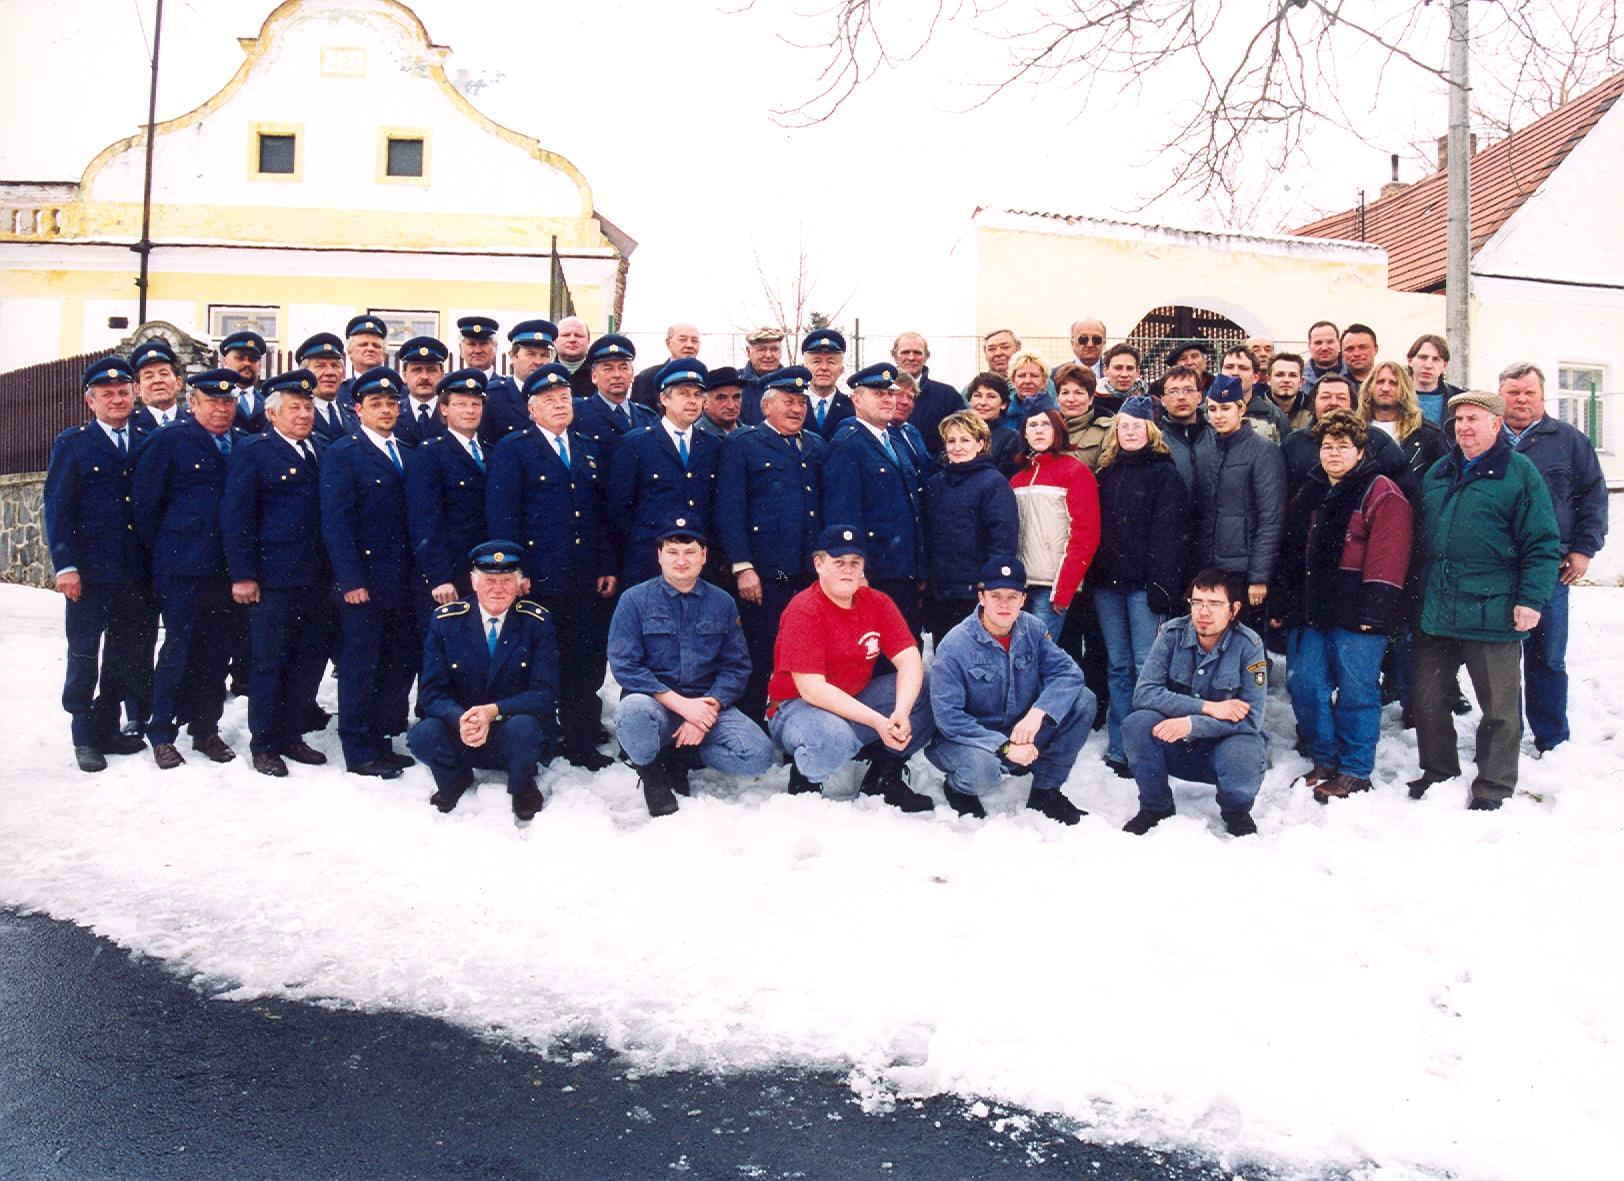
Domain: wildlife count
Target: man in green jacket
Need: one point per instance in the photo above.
(1488, 555)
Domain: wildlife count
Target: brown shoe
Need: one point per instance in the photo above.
(301, 752)
(1340, 788)
(1320, 774)
(166, 756)
(214, 749)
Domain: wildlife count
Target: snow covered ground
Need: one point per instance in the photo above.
(1400, 989)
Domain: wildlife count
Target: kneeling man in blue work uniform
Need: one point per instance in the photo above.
(1007, 701)
(489, 685)
(1198, 708)
(679, 657)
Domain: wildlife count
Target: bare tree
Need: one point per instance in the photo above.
(791, 296)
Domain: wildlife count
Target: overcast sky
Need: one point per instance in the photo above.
(667, 109)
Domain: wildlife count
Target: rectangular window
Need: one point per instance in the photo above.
(403, 324)
(1582, 400)
(405, 157)
(276, 155)
(224, 319)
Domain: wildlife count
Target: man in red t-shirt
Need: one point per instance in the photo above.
(826, 707)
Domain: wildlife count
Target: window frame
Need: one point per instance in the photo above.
(420, 134)
(253, 313)
(256, 131)
(396, 317)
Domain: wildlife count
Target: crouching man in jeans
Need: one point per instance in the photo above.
(489, 686)
(1198, 708)
(679, 657)
(1007, 701)
(825, 705)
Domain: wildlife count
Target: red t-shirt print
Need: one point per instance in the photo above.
(817, 636)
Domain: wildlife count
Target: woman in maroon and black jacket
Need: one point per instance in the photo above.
(1338, 590)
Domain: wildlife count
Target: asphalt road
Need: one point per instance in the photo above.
(112, 1068)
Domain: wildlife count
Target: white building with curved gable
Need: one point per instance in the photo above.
(328, 177)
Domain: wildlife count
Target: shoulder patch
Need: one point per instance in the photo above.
(1260, 666)
(1260, 672)
(452, 610)
(531, 608)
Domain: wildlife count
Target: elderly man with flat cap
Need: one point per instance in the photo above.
(763, 352)
(1007, 701)
(270, 526)
(489, 689)
(679, 657)
(101, 572)
(827, 707)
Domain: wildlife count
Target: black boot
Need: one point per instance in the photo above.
(445, 798)
(1052, 803)
(89, 758)
(1483, 804)
(1418, 787)
(964, 803)
(1146, 819)
(526, 802)
(679, 761)
(799, 784)
(1238, 824)
(121, 744)
(885, 779)
(657, 783)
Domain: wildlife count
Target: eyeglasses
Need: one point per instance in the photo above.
(1091, 340)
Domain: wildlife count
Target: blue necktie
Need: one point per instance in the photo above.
(394, 456)
(246, 401)
(822, 409)
(885, 441)
(682, 447)
(490, 639)
(563, 452)
(622, 419)
(123, 447)
(223, 442)
(423, 418)
(473, 449)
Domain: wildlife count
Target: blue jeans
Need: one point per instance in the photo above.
(1040, 602)
(1129, 627)
(821, 742)
(1326, 661)
(975, 771)
(1236, 764)
(734, 746)
(1545, 673)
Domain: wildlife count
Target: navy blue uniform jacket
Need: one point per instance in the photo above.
(347, 422)
(769, 500)
(595, 422)
(87, 506)
(554, 512)
(363, 520)
(270, 515)
(459, 670)
(648, 486)
(867, 489)
(407, 430)
(445, 501)
(180, 478)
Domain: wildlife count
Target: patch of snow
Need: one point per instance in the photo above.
(1398, 988)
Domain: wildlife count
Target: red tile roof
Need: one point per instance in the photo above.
(1411, 223)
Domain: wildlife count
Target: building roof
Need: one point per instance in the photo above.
(1413, 223)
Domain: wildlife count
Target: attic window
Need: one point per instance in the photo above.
(405, 157)
(276, 154)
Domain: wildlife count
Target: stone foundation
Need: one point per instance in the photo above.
(22, 530)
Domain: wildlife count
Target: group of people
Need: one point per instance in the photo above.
(758, 556)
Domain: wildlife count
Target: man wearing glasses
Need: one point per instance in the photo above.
(1087, 342)
(1198, 708)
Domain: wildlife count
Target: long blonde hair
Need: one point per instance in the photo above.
(1110, 449)
(1409, 406)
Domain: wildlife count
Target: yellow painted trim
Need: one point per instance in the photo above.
(296, 130)
(385, 134)
(256, 48)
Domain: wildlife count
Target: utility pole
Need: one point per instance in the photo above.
(1458, 274)
(144, 246)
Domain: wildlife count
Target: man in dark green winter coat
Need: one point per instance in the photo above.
(1488, 557)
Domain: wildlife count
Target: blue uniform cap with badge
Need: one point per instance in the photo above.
(723, 377)
(682, 371)
(323, 344)
(683, 528)
(1003, 574)
(367, 325)
(611, 347)
(243, 342)
(533, 332)
(496, 557)
(823, 340)
(1226, 388)
(794, 379)
(108, 371)
(299, 382)
(378, 380)
(1139, 406)
(880, 376)
(462, 381)
(150, 352)
(216, 383)
(546, 377)
(422, 350)
(839, 540)
(477, 327)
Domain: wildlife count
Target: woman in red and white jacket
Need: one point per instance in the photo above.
(1059, 506)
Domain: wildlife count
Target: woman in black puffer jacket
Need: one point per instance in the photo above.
(970, 517)
(1138, 574)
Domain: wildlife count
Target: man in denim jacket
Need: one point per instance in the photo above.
(1198, 708)
(1006, 701)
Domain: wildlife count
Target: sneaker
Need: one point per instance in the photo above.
(1051, 802)
(799, 784)
(964, 803)
(1146, 819)
(1239, 824)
